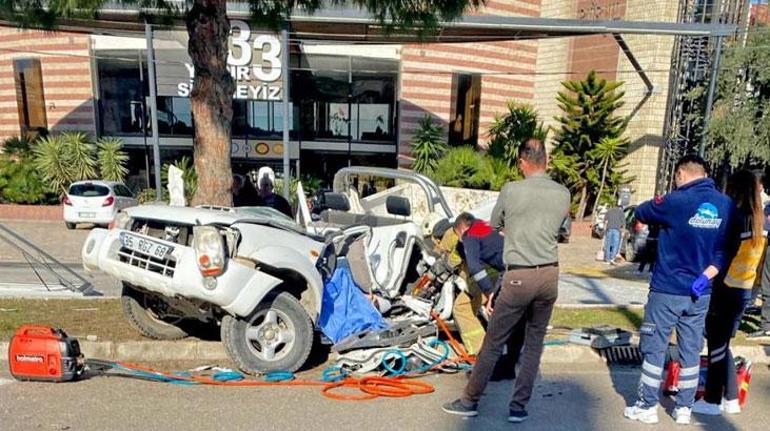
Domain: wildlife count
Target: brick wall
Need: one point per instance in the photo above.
(426, 76)
(645, 130)
(66, 74)
(571, 58)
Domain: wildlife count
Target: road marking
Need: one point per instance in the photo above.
(30, 290)
(5, 381)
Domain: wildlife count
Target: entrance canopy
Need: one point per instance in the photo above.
(353, 25)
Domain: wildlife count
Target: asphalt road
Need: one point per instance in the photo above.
(565, 399)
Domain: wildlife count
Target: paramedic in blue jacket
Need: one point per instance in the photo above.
(693, 223)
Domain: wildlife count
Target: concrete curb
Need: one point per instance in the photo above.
(213, 351)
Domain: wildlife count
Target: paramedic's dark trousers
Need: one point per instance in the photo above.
(766, 292)
(722, 321)
(524, 292)
(662, 314)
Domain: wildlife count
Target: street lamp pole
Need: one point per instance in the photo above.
(286, 77)
(153, 107)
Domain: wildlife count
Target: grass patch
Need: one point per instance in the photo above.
(630, 319)
(78, 317)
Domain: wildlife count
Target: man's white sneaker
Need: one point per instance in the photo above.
(682, 415)
(731, 407)
(638, 413)
(702, 407)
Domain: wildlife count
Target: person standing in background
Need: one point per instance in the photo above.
(264, 181)
(694, 220)
(732, 293)
(614, 221)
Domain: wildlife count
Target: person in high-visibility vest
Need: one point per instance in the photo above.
(731, 294)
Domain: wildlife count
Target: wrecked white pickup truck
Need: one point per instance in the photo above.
(260, 275)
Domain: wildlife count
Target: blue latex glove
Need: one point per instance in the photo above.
(699, 286)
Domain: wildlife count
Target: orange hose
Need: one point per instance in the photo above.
(461, 352)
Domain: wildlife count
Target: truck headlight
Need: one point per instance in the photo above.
(209, 250)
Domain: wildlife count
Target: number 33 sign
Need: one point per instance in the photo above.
(266, 45)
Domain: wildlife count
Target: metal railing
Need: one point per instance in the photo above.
(42, 263)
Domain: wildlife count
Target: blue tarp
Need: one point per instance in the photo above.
(345, 309)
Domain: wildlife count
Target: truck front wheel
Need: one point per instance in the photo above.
(278, 335)
(150, 315)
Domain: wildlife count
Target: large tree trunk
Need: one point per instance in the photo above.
(211, 100)
(581, 211)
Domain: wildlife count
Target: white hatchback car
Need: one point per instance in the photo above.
(95, 202)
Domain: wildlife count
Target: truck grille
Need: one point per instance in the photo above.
(164, 267)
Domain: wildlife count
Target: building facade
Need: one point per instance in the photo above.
(351, 104)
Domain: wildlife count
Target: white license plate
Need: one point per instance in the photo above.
(145, 246)
(87, 215)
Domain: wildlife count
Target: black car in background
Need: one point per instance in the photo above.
(634, 242)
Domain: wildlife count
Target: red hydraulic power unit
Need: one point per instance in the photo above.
(743, 371)
(42, 353)
(743, 366)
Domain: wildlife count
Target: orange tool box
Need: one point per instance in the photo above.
(44, 354)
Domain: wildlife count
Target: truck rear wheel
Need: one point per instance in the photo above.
(278, 335)
(150, 315)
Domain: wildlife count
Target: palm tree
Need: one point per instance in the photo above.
(428, 146)
(608, 151)
(112, 159)
(62, 159)
(589, 109)
(511, 130)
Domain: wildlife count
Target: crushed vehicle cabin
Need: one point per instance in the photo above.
(260, 275)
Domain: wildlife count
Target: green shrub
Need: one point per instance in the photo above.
(68, 157)
(463, 167)
(428, 146)
(498, 172)
(510, 131)
(112, 159)
(21, 184)
(148, 196)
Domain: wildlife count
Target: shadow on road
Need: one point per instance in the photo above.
(556, 404)
(628, 388)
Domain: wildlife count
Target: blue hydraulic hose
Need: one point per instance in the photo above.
(398, 355)
(279, 376)
(334, 374)
(227, 376)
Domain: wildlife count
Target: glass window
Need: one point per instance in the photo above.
(120, 95)
(337, 104)
(239, 118)
(260, 118)
(88, 190)
(29, 96)
(373, 107)
(122, 191)
(174, 116)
